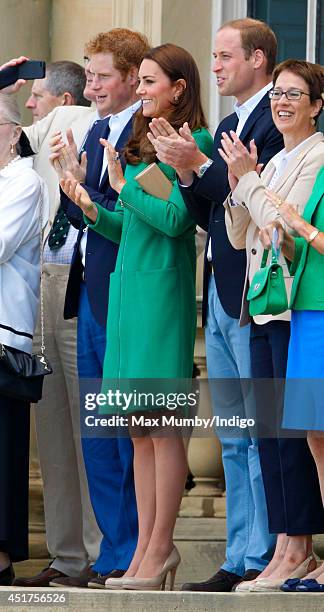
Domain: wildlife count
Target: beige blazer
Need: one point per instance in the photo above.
(243, 222)
(79, 118)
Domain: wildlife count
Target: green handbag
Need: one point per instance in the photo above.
(267, 293)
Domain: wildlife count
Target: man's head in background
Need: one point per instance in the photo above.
(63, 85)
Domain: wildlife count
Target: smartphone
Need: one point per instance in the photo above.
(29, 70)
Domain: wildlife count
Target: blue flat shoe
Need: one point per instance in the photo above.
(290, 585)
(310, 586)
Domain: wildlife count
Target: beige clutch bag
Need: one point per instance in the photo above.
(154, 182)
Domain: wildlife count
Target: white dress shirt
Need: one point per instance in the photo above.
(244, 110)
(117, 124)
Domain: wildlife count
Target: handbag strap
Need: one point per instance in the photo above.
(274, 258)
(41, 292)
(264, 258)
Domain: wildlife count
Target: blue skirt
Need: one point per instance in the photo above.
(304, 394)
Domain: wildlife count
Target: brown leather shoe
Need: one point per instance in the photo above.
(80, 581)
(100, 581)
(40, 580)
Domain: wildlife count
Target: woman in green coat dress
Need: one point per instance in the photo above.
(152, 303)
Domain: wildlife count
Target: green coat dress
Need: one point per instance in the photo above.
(308, 265)
(152, 298)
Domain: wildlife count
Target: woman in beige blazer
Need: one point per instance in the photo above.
(288, 470)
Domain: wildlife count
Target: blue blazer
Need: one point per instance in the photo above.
(101, 253)
(204, 200)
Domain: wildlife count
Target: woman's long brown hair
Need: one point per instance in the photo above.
(176, 63)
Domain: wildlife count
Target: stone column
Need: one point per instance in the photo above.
(188, 25)
(74, 23)
(204, 453)
(141, 15)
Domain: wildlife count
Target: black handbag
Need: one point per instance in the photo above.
(21, 374)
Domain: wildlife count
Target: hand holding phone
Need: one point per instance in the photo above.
(25, 70)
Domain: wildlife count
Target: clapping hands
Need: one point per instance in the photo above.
(239, 160)
(178, 150)
(64, 157)
(78, 195)
(115, 170)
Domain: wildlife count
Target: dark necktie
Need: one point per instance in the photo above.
(59, 230)
(95, 152)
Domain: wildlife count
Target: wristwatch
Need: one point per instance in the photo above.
(202, 169)
(313, 235)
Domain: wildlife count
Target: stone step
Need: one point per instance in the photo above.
(200, 560)
(201, 543)
(131, 601)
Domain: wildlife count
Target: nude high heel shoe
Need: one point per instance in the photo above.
(156, 583)
(115, 583)
(273, 584)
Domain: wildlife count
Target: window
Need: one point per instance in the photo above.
(319, 49)
(288, 19)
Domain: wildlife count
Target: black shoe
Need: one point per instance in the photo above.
(80, 581)
(100, 581)
(7, 576)
(251, 574)
(222, 582)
